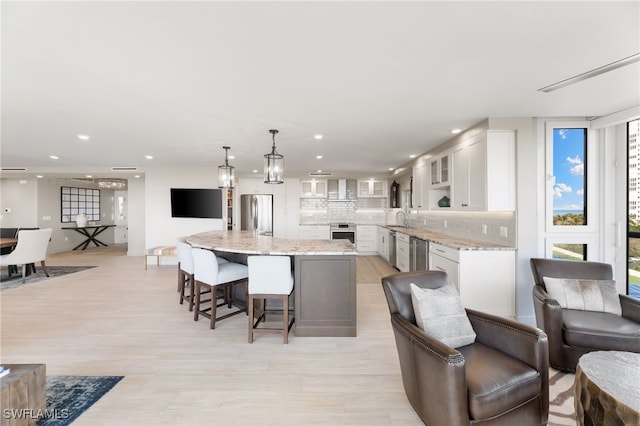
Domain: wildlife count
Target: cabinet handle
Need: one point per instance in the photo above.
(440, 250)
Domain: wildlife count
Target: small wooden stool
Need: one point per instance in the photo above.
(158, 252)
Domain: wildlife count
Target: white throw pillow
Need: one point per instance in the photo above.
(585, 295)
(440, 314)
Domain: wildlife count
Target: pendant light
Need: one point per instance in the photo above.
(225, 171)
(273, 163)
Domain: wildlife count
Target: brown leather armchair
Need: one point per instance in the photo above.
(572, 332)
(500, 379)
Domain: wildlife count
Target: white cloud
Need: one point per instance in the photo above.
(570, 207)
(563, 133)
(559, 189)
(580, 192)
(578, 168)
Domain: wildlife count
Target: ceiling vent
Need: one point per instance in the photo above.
(320, 174)
(77, 179)
(13, 169)
(124, 169)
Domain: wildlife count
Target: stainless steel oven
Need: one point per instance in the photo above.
(343, 231)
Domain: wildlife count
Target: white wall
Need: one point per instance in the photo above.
(136, 220)
(20, 196)
(159, 227)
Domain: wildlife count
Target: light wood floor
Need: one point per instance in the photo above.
(118, 319)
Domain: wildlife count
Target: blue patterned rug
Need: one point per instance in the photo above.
(15, 281)
(69, 396)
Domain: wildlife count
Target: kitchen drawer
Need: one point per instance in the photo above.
(402, 255)
(444, 251)
(367, 246)
(403, 237)
(439, 263)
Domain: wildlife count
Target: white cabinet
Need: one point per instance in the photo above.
(313, 188)
(484, 173)
(313, 232)
(439, 167)
(382, 242)
(372, 188)
(485, 278)
(403, 252)
(420, 184)
(366, 236)
(443, 258)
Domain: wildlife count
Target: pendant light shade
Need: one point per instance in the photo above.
(273, 163)
(225, 171)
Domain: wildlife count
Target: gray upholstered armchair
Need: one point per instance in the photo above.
(500, 379)
(573, 332)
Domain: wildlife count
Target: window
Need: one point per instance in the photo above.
(569, 189)
(570, 213)
(74, 201)
(633, 212)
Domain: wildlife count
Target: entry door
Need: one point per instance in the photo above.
(121, 206)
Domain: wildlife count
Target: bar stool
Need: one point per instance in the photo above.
(211, 275)
(270, 277)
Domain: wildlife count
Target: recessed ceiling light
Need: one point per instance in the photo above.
(149, 157)
(390, 169)
(254, 171)
(456, 131)
(412, 156)
(137, 176)
(318, 136)
(39, 176)
(232, 157)
(319, 171)
(319, 157)
(89, 176)
(54, 157)
(83, 137)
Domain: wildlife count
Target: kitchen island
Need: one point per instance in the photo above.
(324, 276)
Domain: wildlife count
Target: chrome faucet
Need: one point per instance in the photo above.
(401, 217)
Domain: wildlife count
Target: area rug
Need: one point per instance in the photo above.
(15, 281)
(561, 409)
(69, 396)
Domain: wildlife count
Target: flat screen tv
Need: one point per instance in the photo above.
(196, 203)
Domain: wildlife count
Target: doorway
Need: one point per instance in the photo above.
(121, 222)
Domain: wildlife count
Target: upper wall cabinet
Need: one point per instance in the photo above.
(420, 194)
(484, 173)
(313, 188)
(440, 170)
(372, 188)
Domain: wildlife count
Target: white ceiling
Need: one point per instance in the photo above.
(380, 80)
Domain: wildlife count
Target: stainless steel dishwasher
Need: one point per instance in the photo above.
(419, 250)
(392, 248)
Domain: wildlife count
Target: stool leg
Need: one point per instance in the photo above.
(214, 303)
(285, 316)
(196, 307)
(250, 313)
(181, 281)
(191, 285)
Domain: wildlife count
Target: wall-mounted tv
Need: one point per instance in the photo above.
(196, 203)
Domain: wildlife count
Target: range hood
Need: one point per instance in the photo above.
(342, 189)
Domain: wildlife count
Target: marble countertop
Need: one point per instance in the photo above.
(249, 242)
(448, 240)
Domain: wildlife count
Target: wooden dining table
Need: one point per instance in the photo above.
(8, 242)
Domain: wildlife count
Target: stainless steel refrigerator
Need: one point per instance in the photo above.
(256, 213)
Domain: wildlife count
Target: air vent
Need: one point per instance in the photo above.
(124, 169)
(13, 169)
(320, 174)
(90, 180)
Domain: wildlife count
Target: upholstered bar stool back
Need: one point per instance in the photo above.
(185, 273)
(211, 275)
(270, 277)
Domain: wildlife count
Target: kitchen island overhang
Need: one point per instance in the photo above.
(324, 276)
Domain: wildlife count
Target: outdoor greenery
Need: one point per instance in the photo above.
(569, 219)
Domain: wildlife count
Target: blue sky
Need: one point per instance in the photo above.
(568, 169)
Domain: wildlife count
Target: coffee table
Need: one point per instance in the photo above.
(607, 388)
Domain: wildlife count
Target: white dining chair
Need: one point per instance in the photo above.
(208, 274)
(270, 277)
(31, 248)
